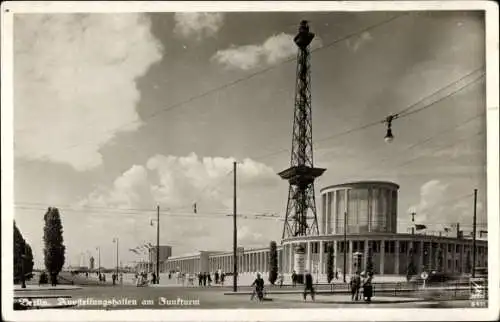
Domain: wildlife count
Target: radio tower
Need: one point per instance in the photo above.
(301, 219)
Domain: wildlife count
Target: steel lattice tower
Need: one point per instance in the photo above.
(301, 219)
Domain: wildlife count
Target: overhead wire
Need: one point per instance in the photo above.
(403, 113)
(424, 141)
(227, 85)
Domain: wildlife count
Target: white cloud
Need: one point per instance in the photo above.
(249, 237)
(272, 50)
(356, 43)
(441, 207)
(176, 183)
(74, 80)
(197, 24)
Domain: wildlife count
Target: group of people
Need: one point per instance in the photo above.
(141, 279)
(115, 277)
(258, 285)
(205, 278)
(361, 280)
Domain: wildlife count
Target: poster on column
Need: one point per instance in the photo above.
(300, 262)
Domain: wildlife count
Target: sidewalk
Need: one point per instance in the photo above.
(346, 291)
(17, 288)
(343, 299)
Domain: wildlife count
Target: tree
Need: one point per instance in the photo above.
(273, 263)
(369, 261)
(29, 263)
(53, 239)
(329, 262)
(23, 258)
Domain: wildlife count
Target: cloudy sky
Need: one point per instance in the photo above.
(115, 113)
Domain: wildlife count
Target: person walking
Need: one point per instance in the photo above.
(205, 279)
(355, 284)
(216, 276)
(209, 279)
(281, 278)
(308, 286)
(368, 287)
(294, 279)
(200, 279)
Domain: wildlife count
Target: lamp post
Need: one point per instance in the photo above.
(345, 246)
(23, 267)
(157, 243)
(98, 260)
(116, 240)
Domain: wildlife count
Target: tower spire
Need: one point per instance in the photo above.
(301, 218)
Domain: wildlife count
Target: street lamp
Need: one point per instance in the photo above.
(388, 136)
(98, 260)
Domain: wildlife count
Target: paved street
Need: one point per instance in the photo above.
(131, 297)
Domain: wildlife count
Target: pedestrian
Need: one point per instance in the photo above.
(222, 278)
(355, 283)
(113, 277)
(200, 279)
(308, 286)
(294, 279)
(53, 279)
(209, 279)
(153, 278)
(204, 279)
(216, 276)
(336, 274)
(281, 278)
(368, 287)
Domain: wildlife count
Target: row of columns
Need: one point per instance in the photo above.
(184, 265)
(249, 262)
(432, 258)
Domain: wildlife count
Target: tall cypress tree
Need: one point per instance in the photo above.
(330, 261)
(53, 239)
(273, 263)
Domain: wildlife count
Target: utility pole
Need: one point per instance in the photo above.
(345, 245)
(413, 223)
(235, 234)
(157, 244)
(474, 236)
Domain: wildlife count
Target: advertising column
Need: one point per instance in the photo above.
(299, 262)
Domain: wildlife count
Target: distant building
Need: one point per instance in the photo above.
(91, 263)
(150, 264)
(367, 211)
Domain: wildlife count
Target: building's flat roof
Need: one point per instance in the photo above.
(360, 183)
